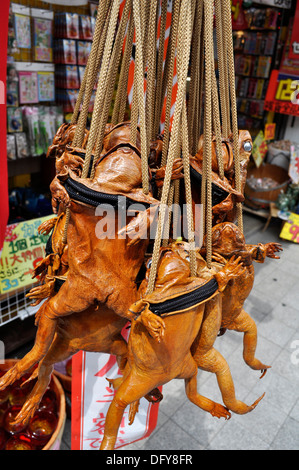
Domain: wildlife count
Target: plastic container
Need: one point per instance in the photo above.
(279, 154)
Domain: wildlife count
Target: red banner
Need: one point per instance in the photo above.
(3, 157)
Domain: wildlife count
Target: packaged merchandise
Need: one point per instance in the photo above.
(21, 145)
(65, 51)
(42, 40)
(261, 18)
(67, 77)
(46, 86)
(59, 117)
(22, 31)
(67, 25)
(28, 87)
(85, 27)
(14, 120)
(19, 32)
(11, 147)
(67, 99)
(47, 126)
(31, 125)
(81, 71)
(263, 66)
(12, 86)
(83, 52)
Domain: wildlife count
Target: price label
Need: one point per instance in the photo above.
(290, 230)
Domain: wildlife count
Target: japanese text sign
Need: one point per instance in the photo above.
(91, 398)
(282, 94)
(23, 249)
(290, 230)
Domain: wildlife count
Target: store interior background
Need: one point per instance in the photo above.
(262, 35)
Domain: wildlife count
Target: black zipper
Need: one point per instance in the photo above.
(185, 301)
(81, 193)
(218, 194)
(58, 283)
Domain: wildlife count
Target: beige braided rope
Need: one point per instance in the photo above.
(173, 46)
(102, 84)
(103, 6)
(94, 61)
(86, 92)
(111, 79)
(143, 9)
(89, 89)
(222, 65)
(233, 100)
(193, 112)
(121, 95)
(188, 193)
(217, 126)
(139, 68)
(144, 12)
(183, 56)
(209, 59)
(91, 72)
(199, 121)
(160, 62)
(165, 235)
(151, 71)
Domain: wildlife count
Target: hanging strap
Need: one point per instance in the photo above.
(102, 83)
(90, 70)
(151, 72)
(121, 94)
(184, 34)
(207, 152)
(140, 95)
(111, 79)
(233, 101)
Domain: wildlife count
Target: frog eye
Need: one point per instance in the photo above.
(187, 259)
(149, 263)
(247, 146)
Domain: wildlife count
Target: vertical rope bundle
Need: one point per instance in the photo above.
(207, 170)
(233, 104)
(184, 34)
(121, 94)
(102, 83)
(159, 80)
(195, 76)
(151, 71)
(191, 32)
(139, 68)
(90, 70)
(91, 73)
(173, 46)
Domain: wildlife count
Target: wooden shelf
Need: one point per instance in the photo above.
(22, 166)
